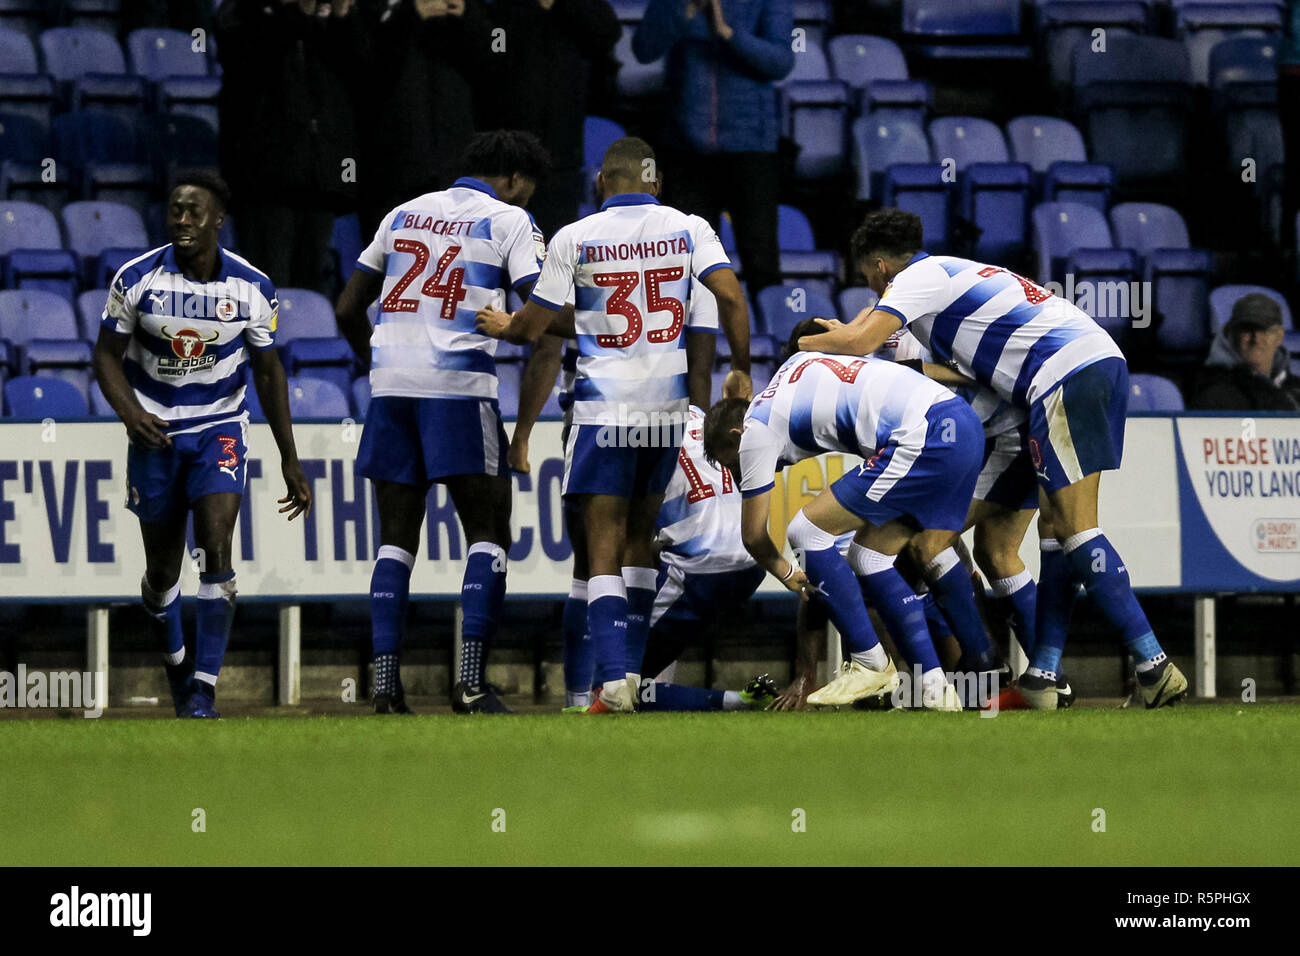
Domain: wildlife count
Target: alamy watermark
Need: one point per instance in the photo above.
(642, 429)
(57, 690)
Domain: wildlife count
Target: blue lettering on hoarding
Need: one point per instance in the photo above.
(554, 546)
(519, 549)
(60, 518)
(9, 553)
(253, 468)
(97, 551)
(348, 511)
(313, 468)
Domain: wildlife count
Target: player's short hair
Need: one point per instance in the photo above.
(204, 179)
(892, 232)
(806, 327)
(725, 415)
(626, 158)
(504, 152)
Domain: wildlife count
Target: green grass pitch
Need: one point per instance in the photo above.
(1207, 784)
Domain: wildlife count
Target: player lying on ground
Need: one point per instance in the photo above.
(180, 324)
(1049, 358)
(922, 447)
(626, 266)
(552, 357)
(434, 415)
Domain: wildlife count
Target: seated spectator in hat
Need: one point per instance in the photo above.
(1247, 366)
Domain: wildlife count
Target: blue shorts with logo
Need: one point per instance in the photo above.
(416, 441)
(163, 483)
(614, 460)
(1077, 428)
(932, 485)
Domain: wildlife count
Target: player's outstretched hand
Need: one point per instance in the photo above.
(799, 584)
(517, 455)
(828, 324)
(147, 430)
(738, 384)
(795, 697)
(297, 501)
(492, 322)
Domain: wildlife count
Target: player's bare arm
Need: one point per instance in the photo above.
(350, 313)
(142, 427)
(701, 347)
(733, 315)
(273, 394)
(945, 375)
(539, 378)
(862, 336)
(754, 515)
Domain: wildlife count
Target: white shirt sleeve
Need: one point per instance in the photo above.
(759, 452)
(373, 257)
(120, 311)
(920, 289)
(555, 285)
(259, 333)
(707, 253)
(524, 250)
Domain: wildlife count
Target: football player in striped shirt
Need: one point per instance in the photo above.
(433, 416)
(627, 270)
(1045, 356)
(181, 325)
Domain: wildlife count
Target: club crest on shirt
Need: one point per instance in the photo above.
(226, 309)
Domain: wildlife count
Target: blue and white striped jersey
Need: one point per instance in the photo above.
(996, 414)
(627, 269)
(186, 356)
(999, 328)
(444, 256)
(818, 403)
(699, 524)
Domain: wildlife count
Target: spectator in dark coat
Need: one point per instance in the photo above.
(724, 60)
(540, 82)
(428, 57)
(288, 133)
(1247, 366)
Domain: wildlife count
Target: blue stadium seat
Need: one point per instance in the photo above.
(897, 99)
(116, 94)
(1204, 25)
(1180, 283)
(28, 17)
(810, 65)
(361, 396)
(552, 410)
(966, 139)
(1153, 393)
(636, 79)
(509, 382)
(996, 198)
(1105, 283)
(629, 11)
(816, 118)
(1089, 184)
(1221, 302)
(1041, 141)
(72, 52)
(159, 53)
(92, 227)
(782, 307)
(879, 144)
(82, 138)
(65, 359)
(761, 348)
(598, 134)
(330, 360)
(1058, 229)
(8, 361)
(316, 398)
(49, 270)
(861, 60)
(1243, 72)
(194, 96)
(973, 29)
(90, 312)
(27, 315)
(793, 231)
(111, 260)
(99, 407)
(854, 300)
(17, 54)
(814, 269)
(814, 17)
(130, 184)
(25, 225)
(23, 139)
(715, 384)
(102, 15)
(178, 141)
(305, 314)
(727, 236)
(1145, 226)
(255, 413)
(347, 244)
(39, 396)
(1063, 25)
(28, 94)
(921, 188)
(1135, 99)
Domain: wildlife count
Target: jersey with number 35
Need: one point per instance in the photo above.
(627, 269)
(444, 256)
